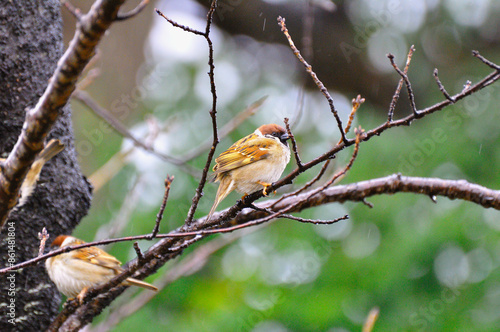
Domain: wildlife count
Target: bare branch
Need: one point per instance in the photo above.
(315, 221)
(396, 183)
(193, 230)
(486, 61)
(307, 185)
(43, 237)
(76, 12)
(406, 80)
(191, 263)
(356, 104)
(452, 189)
(159, 216)
(406, 121)
(318, 83)
(107, 116)
(395, 97)
(177, 25)
(441, 87)
(213, 116)
(40, 119)
(359, 136)
(140, 255)
(294, 145)
(133, 12)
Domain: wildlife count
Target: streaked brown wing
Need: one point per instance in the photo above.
(247, 150)
(99, 257)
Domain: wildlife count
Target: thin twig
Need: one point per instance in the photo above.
(43, 237)
(76, 12)
(307, 185)
(315, 221)
(485, 61)
(441, 87)
(159, 216)
(356, 104)
(359, 136)
(407, 82)
(107, 116)
(177, 25)
(213, 116)
(213, 111)
(268, 211)
(133, 12)
(318, 83)
(294, 145)
(395, 97)
(365, 202)
(140, 255)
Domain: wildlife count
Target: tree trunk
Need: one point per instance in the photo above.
(31, 44)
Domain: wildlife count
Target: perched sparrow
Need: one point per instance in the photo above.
(75, 271)
(52, 148)
(252, 163)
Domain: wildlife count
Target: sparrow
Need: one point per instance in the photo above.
(252, 163)
(76, 271)
(52, 148)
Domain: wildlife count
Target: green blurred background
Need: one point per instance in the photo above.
(427, 266)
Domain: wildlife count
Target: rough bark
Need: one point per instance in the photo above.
(31, 45)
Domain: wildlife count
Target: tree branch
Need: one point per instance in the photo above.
(357, 192)
(134, 12)
(40, 119)
(75, 316)
(107, 116)
(319, 84)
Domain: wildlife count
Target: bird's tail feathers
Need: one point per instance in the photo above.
(224, 189)
(139, 283)
(53, 147)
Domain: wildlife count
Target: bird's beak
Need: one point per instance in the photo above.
(284, 137)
